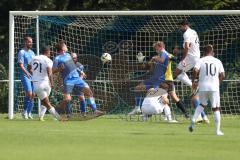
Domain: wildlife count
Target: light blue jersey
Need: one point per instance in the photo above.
(70, 75)
(70, 69)
(25, 57)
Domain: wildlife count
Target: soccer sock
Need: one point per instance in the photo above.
(69, 108)
(217, 119)
(180, 105)
(43, 110)
(183, 77)
(54, 113)
(197, 103)
(197, 112)
(91, 103)
(83, 106)
(167, 112)
(26, 99)
(29, 105)
(138, 100)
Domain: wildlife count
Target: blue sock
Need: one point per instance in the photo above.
(91, 103)
(25, 107)
(138, 99)
(69, 108)
(83, 106)
(197, 103)
(29, 105)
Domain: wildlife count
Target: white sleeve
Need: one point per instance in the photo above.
(198, 65)
(186, 37)
(49, 63)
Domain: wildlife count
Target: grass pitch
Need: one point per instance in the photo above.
(116, 139)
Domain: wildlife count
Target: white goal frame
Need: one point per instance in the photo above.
(85, 13)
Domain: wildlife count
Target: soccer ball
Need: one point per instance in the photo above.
(106, 58)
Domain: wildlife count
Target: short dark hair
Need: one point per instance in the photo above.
(208, 49)
(184, 22)
(60, 45)
(45, 48)
(27, 38)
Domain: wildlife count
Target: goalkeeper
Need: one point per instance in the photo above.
(160, 62)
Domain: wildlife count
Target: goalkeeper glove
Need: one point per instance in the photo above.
(140, 57)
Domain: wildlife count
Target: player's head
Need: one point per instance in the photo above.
(74, 57)
(159, 46)
(46, 51)
(184, 25)
(208, 50)
(28, 42)
(61, 47)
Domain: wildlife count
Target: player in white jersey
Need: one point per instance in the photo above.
(211, 74)
(41, 67)
(191, 53)
(156, 102)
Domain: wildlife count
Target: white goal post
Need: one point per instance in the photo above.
(111, 88)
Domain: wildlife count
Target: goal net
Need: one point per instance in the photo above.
(123, 36)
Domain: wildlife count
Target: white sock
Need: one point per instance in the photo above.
(197, 112)
(54, 113)
(183, 77)
(167, 112)
(217, 119)
(43, 110)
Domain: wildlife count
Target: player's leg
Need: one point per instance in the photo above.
(195, 103)
(203, 97)
(215, 103)
(85, 89)
(28, 102)
(138, 90)
(179, 103)
(43, 91)
(69, 109)
(83, 104)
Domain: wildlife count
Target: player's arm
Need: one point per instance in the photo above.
(30, 69)
(158, 59)
(221, 77)
(185, 50)
(221, 73)
(24, 69)
(50, 75)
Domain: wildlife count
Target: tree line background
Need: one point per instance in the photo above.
(90, 5)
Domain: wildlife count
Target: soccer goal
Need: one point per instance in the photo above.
(123, 34)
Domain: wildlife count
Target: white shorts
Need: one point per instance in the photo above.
(151, 107)
(190, 62)
(212, 96)
(42, 89)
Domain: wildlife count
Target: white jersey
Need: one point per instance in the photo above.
(153, 102)
(210, 68)
(191, 37)
(39, 68)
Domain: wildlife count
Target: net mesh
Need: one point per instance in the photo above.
(123, 37)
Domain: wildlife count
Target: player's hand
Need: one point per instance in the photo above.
(83, 75)
(61, 67)
(140, 57)
(154, 59)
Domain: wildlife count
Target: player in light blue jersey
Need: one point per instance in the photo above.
(160, 62)
(80, 69)
(64, 64)
(25, 56)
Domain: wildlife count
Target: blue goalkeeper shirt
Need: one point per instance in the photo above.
(25, 57)
(69, 68)
(160, 68)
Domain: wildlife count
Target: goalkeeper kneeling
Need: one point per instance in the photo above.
(156, 102)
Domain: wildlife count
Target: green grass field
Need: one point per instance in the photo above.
(115, 139)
